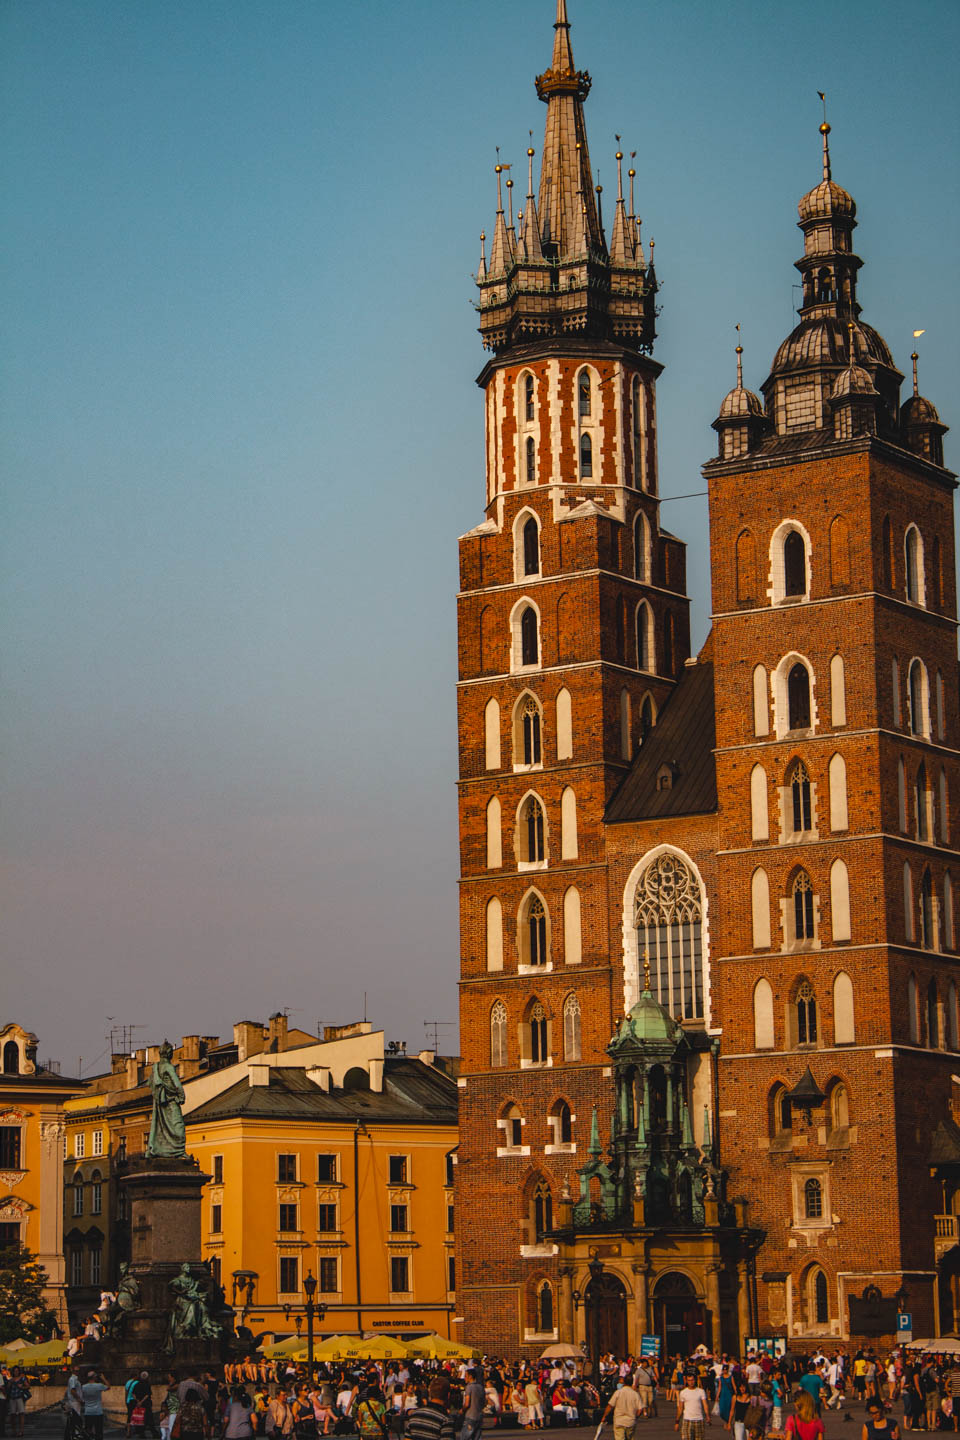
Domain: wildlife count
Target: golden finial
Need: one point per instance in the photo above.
(646, 970)
(851, 356)
(825, 131)
(915, 357)
(619, 172)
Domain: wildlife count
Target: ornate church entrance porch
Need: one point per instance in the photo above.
(679, 1318)
(606, 1313)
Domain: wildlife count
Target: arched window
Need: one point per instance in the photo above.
(531, 546)
(837, 772)
(806, 1005)
(561, 1123)
(648, 717)
(902, 796)
(78, 1194)
(572, 938)
(644, 622)
(917, 686)
(908, 925)
(839, 902)
(794, 564)
(839, 1106)
(511, 1125)
(913, 1010)
(763, 1037)
(533, 931)
(11, 1058)
(760, 907)
(528, 398)
(494, 930)
(542, 1209)
(586, 457)
(838, 692)
(781, 1115)
(571, 1028)
(530, 461)
(538, 1034)
(641, 548)
(498, 1034)
(759, 809)
(803, 909)
(529, 638)
(494, 835)
(798, 697)
(933, 1016)
(668, 914)
(927, 927)
(813, 1200)
(583, 394)
(886, 546)
(532, 845)
(491, 735)
(527, 731)
(564, 725)
(844, 1031)
(821, 1302)
(920, 803)
(545, 1309)
(800, 798)
(913, 565)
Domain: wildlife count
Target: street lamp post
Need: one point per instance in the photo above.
(310, 1289)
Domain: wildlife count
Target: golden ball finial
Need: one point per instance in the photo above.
(631, 173)
(619, 155)
(824, 128)
(530, 151)
(739, 349)
(497, 169)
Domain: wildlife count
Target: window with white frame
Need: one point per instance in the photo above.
(498, 1034)
(79, 1144)
(560, 1122)
(531, 832)
(533, 937)
(97, 1145)
(913, 567)
(527, 732)
(789, 563)
(668, 914)
(510, 1126)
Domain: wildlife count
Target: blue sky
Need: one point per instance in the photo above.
(241, 435)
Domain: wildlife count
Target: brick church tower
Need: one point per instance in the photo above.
(573, 624)
(835, 948)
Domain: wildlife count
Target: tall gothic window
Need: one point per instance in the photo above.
(571, 1028)
(916, 682)
(545, 1309)
(669, 919)
(794, 564)
(498, 1034)
(531, 830)
(821, 1305)
(531, 547)
(920, 800)
(813, 1199)
(583, 393)
(803, 918)
(586, 457)
(538, 1034)
(806, 1005)
(914, 580)
(926, 911)
(535, 924)
(531, 462)
(800, 795)
(530, 732)
(933, 1016)
(542, 1209)
(528, 397)
(529, 640)
(798, 697)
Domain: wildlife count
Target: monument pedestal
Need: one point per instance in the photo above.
(163, 1197)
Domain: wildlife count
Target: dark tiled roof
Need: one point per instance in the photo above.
(684, 738)
(413, 1092)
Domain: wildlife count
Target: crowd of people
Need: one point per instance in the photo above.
(760, 1398)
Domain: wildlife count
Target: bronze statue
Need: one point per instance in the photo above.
(190, 1317)
(168, 1135)
(127, 1299)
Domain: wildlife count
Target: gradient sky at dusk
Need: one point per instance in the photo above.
(241, 435)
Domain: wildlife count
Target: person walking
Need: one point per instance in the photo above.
(624, 1406)
(474, 1399)
(879, 1425)
(93, 1388)
(804, 1424)
(692, 1411)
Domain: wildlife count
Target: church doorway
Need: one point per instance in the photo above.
(606, 1313)
(678, 1316)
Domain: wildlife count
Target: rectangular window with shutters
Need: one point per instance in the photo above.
(326, 1169)
(218, 1169)
(10, 1147)
(326, 1219)
(288, 1217)
(327, 1280)
(286, 1169)
(399, 1274)
(96, 1198)
(398, 1217)
(79, 1145)
(216, 1219)
(289, 1275)
(76, 1267)
(398, 1170)
(97, 1148)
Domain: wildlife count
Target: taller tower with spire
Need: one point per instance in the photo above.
(573, 626)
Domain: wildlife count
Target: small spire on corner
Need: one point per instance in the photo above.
(739, 361)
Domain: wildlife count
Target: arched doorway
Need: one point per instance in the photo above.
(605, 1301)
(679, 1318)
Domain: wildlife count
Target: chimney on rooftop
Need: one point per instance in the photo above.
(278, 1031)
(248, 1038)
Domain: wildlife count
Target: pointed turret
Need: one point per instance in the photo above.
(500, 251)
(531, 248)
(741, 420)
(594, 1146)
(565, 171)
(621, 243)
(923, 430)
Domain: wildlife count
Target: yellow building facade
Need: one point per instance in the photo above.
(32, 1129)
(334, 1159)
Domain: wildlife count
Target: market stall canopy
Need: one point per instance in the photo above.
(435, 1347)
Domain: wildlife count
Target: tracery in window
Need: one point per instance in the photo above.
(813, 1199)
(528, 400)
(534, 932)
(571, 1028)
(531, 461)
(641, 547)
(498, 1034)
(542, 1209)
(532, 847)
(586, 457)
(917, 688)
(803, 910)
(668, 914)
(583, 394)
(806, 1010)
(800, 799)
(527, 731)
(537, 1024)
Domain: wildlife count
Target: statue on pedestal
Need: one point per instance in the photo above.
(168, 1135)
(190, 1317)
(127, 1298)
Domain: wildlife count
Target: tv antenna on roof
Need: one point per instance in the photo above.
(436, 1026)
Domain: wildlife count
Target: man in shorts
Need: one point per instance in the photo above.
(692, 1409)
(644, 1381)
(624, 1405)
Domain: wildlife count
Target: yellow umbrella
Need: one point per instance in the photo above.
(382, 1347)
(23, 1353)
(283, 1347)
(337, 1347)
(435, 1347)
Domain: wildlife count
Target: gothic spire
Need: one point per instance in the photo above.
(500, 253)
(565, 173)
(531, 222)
(621, 242)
